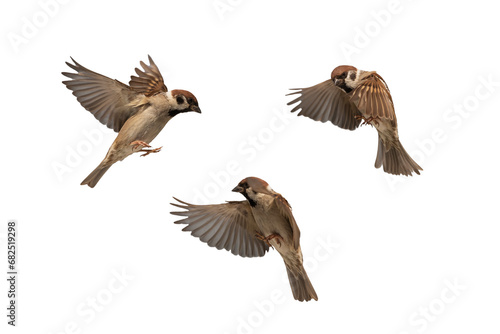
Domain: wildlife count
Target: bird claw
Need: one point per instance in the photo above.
(154, 150)
(367, 121)
(269, 237)
(138, 143)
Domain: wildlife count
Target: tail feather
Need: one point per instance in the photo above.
(395, 159)
(95, 176)
(302, 288)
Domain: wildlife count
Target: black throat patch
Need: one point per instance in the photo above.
(343, 87)
(251, 201)
(173, 113)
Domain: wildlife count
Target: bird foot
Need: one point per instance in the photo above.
(140, 143)
(369, 120)
(154, 150)
(270, 237)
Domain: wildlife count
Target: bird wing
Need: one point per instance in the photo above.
(373, 98)
(286, 211)
(149, 82)
(229, 225)
(326, 102)
(107, 99)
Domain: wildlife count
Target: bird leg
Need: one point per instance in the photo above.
(359, 117)
(139, 143)
(269, 237)
(154, 150)
(369, 120)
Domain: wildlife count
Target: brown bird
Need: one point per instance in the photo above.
(354, 95)
(247, 228)
(138, 112)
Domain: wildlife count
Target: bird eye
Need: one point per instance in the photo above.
(190, 101)
(180, 100)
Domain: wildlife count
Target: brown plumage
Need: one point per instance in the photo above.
(138, 112)
(353, 95)
(149, 82)
(249, 227)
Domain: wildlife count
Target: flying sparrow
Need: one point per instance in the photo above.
(247, 228)
(138, 112)
(352, 96)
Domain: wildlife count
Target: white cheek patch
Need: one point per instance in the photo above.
(173, 102)
(353, 82)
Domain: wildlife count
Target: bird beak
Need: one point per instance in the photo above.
(196, 109)
(238, 189)
(336, 81)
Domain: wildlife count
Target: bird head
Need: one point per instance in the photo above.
(346, 77)
(254, 189)
(183, 101)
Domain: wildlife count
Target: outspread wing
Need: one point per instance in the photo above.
(373, 98)
(326, 102)
(286, 211)
(229, 225)
(107, 99)
(149, 82)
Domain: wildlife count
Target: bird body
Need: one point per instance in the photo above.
(248, 228)
(137, 112)
(353, 95)
(270, 222)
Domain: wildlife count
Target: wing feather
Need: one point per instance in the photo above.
(286, 211)
(326, 102)
(230, 226)
(150, 81)
(107, 99)
(373, 98)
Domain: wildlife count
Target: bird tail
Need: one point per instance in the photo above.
(395, 159)
(96, 175)
(302, 288)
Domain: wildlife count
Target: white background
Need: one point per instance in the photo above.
(394, 242)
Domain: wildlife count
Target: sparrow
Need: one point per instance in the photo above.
(352, 96)
(138, 111)
(247, 228)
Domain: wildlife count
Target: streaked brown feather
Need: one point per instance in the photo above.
(107, 99)
(286, 211)
(373, 98)
(149, 82)
(326, 102)
(229, 225)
